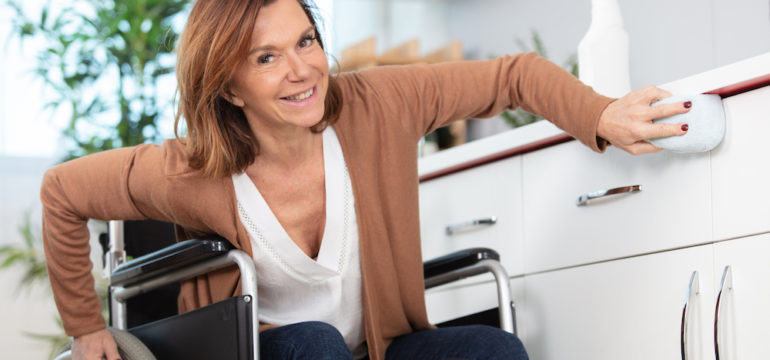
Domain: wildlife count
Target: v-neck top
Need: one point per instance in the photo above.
(292, 287)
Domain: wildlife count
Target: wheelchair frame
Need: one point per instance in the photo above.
(438, 271)
(119, 294)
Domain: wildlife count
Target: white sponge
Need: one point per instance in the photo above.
(706, 122)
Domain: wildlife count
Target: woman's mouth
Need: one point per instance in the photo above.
(301, 99)
(302, 96)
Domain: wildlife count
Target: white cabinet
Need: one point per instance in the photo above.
(609, 280)
(628, 309)
(745, 315)
(489, 191)
(672, 210)
(741, 167)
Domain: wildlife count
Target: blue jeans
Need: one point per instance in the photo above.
(317, 340)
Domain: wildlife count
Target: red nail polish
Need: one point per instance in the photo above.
(685, 127)
(687, 104)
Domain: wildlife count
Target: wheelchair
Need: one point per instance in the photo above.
(143, 317)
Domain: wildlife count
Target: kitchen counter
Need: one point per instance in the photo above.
(726, 81)
(593, 279)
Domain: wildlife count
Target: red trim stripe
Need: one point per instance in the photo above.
(742, 86)
(535, 145)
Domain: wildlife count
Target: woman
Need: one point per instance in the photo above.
(315, 176)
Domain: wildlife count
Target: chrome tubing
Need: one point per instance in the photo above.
(693, 290)
(507, 307)
(248, 286)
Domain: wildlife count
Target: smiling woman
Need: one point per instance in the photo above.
(210, 74)
(315, 177)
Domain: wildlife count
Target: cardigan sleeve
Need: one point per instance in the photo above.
(425, 97)
(92, 187)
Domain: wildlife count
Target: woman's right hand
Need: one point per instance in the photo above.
(97, 345)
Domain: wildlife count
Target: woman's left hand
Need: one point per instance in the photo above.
(627, 122)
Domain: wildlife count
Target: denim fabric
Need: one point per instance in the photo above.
(317, 340)
(306, 340)
(461, 342)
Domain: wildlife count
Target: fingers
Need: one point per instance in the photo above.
(96, 345)
(666, 110)
(111, 351)
(641, 147)
(628, 122)
(654, 131)
(650, 94)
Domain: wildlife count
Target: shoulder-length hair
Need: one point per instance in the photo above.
(215, 41)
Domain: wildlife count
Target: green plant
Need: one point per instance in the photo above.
(104, 61)
(519, 117)
(29, 256)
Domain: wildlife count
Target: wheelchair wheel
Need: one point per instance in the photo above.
(129, 347)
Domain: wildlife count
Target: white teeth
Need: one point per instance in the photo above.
(302, 96)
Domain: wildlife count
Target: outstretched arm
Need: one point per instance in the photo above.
(425, 97)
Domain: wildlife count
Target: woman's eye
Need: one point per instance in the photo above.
(265, 59)
(307, 41)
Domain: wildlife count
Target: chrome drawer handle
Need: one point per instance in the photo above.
(689, 303)
(725, 287)
(583, 199)
(470, 225)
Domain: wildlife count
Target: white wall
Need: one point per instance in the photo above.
(391, 22)
(669, 40)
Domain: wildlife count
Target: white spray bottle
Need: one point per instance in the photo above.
(603, 51)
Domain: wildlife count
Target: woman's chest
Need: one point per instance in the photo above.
(300, 208)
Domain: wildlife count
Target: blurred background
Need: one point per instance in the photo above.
(79, 76)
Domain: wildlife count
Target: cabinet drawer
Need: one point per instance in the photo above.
(672, 210)
(491, 190)
(741, 170)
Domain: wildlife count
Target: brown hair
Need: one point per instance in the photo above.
(213, 44)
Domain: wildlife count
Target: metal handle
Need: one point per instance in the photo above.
(583, 199)
(725, 287)
(693, 291)
(470, 225)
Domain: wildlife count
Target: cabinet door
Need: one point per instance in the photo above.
(624, 309)
(672, 210)
(492, 190)
(741, 169)
(746, 311)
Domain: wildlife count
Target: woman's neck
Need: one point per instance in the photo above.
(287, 148)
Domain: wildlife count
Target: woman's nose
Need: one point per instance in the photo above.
(299, 69)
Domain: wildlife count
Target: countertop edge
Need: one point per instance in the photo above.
(726, 81)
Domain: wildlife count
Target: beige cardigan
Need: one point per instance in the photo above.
(386, 111)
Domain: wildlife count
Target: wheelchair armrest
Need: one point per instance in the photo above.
(170, 258)
(457, 260)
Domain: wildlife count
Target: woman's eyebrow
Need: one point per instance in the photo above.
(272, 47)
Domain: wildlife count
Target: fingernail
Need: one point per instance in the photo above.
(685, 127)
(687, 104)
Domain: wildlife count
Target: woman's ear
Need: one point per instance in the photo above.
(233, 98)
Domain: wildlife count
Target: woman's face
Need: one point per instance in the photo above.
(284, 80)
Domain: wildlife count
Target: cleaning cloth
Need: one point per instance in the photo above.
(706, 122)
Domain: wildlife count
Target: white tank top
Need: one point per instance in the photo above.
(294, 288)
